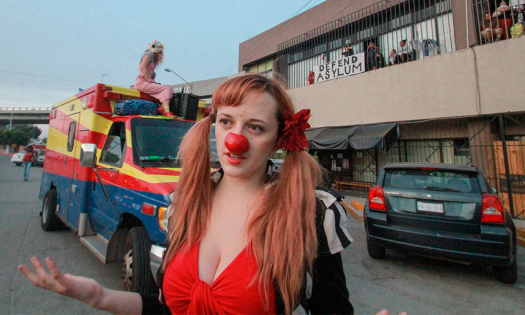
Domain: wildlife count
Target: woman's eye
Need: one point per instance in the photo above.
(224, 122)
(256, 128)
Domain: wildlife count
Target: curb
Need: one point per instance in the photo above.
(358, 214)
(520, 236)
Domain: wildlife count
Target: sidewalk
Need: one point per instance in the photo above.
(355, 206)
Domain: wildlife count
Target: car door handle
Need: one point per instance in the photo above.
(109, 169)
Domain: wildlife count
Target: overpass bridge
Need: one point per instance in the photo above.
(24, 115)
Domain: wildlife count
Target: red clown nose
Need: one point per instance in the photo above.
(236, 144)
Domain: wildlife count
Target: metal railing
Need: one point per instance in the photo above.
(497, 20)
(425, 26)
(23, 108)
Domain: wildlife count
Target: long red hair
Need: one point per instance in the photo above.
(282, 229)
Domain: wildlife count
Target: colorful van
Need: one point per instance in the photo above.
(116, 205)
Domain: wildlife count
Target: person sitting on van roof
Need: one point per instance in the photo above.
(145, 82)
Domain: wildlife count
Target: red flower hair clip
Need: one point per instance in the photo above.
(293, 138)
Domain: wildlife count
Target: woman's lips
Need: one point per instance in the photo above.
(234, 159)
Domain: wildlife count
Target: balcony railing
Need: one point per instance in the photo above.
(497, 20)
(425, 27)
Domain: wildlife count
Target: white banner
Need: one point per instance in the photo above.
(340, 68)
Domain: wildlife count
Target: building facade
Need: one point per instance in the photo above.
(458, 98)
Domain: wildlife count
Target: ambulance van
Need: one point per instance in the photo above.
(108, 177)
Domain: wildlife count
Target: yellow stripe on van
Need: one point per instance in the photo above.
(149, 178)
(123, 90)
(57, 141)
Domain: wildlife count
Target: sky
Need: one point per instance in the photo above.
(50, 49)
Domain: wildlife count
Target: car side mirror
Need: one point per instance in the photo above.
(494, 190)
(88, 155)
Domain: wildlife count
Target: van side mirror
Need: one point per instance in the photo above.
(88, 155)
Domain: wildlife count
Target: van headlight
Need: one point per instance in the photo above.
(163, 218)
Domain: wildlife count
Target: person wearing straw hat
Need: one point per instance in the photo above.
(150, 60)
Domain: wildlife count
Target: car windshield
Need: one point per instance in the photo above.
(433, 180)
(156, 141)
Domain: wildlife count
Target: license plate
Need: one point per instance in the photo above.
(430, 207)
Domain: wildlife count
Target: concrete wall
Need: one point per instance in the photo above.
(440, 86)
(459, 12)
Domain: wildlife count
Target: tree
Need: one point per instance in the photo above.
(5, 137)
(36, 132)
(19, 136)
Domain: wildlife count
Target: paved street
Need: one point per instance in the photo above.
(415, 284)
(22, 237)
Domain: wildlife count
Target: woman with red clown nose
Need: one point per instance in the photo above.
(248, 238)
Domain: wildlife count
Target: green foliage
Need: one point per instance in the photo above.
(36, 132)
(278, 155)
(19, 136)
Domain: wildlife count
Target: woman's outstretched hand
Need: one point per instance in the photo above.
(83, 289)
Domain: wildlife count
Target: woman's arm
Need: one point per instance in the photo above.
(143, 67)
(329, 292)
(83, 289)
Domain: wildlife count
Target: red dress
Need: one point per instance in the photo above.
(230, 293)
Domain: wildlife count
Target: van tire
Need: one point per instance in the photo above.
(136, 265)
(506, 274)
(49, 220)
(376, 252)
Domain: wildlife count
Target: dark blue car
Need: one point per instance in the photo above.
(441, 210)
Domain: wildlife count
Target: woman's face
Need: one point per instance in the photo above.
(255, 118)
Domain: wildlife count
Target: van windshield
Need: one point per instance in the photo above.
(156, 141)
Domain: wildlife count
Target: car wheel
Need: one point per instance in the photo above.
(50, 221)
(506, 274)
(376, 252)
(136, 267)
(18, 164)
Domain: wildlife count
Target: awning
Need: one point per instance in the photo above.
(360, 137)
(330, 138)
(372, 136)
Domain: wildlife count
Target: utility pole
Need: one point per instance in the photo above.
(102, 77)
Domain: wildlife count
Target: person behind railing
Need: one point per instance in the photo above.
(504, 15)
(405, 52)
(380, 60)
(518, 27)
(393, 58)
(370, 56)
(519, 7)
(348, 51)
(490, 29)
